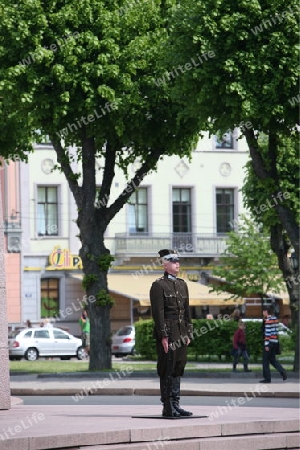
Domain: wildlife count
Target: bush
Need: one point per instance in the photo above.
(144, 341)
(210, 337)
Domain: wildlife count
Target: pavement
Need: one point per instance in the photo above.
(125, 427)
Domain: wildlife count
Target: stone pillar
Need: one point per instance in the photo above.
(4, 366)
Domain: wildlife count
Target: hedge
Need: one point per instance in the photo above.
(210, 337)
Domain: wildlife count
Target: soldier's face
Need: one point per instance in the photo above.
(172, 267)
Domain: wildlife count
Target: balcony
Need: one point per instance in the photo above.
(187, 244)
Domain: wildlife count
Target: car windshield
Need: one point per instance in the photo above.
(124, 331)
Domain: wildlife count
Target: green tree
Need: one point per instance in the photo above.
(236, 65)
(83, 73)
(248, 265)
(259, 192)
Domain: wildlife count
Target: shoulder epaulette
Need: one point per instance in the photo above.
(161, 278)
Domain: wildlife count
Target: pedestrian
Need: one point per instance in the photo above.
(28, 323)
(173, 330)
(84, 323)
(240, 348)
(271, 344)
(236, 315)
(47, 323)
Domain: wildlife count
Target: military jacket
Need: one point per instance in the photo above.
(169, 299)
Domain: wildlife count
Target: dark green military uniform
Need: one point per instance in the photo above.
(171, 314)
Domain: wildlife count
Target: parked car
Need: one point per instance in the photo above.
(123, 342)
(283, 330)
(32, 343)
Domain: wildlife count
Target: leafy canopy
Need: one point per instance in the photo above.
(78, 70)
(254, 72)
(248, 265)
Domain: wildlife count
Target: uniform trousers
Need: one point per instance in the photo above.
(269, 357)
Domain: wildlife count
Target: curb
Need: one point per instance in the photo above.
(144, 374)
(142, 392)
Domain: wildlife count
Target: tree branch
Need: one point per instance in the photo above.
(64, 160)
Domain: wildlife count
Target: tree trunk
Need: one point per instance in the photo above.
(288, 223)
(285, 215)
(96, 261)
(280, 246)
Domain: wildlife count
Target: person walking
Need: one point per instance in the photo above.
(271, 344)
(84, 323)
(240, 348)
(173, 330)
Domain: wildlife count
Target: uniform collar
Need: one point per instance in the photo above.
(170, 277)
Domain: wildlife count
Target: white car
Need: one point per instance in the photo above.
(123, 341)
(32, 343)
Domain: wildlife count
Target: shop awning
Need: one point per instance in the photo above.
(137, 287)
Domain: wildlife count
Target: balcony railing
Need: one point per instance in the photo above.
(189, 244)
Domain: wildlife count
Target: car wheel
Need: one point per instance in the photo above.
(133, 351)
(81, 353)
(31, 354)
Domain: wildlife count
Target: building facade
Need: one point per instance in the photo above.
(187, 205)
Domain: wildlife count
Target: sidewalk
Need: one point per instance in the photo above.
(111, 427)
(146, 383)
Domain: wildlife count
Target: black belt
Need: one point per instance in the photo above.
(179, 317)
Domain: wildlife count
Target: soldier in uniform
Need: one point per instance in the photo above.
(173, 330)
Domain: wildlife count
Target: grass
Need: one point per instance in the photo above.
(57, 366)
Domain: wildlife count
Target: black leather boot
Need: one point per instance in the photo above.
(176, 398)
(246, 368)
(166, 398)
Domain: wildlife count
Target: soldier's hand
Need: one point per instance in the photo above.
(188, 341)
(165, 344)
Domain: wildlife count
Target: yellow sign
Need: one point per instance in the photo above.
(60, 259)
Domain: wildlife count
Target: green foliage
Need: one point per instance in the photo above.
(248, 264)
(104, 299)
(210, 337)
(239, 80)
(144, 341)
(88, 280)
(104, 261)
(87, 69)
(287, 343)
(259, 194)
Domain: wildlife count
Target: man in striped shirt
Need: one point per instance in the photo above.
(271, 344)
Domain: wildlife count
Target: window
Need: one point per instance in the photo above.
(60, 334)
(138, 211)
(182, 223)
(49, 297)
(41, 334)
(225, 209)
(28, 335)
(47, 211)
(181, 210)
(224, 141)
